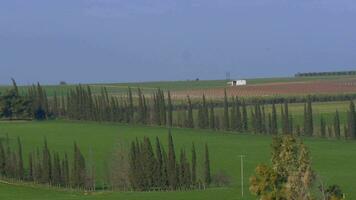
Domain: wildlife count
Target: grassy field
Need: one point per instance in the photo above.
(333, 160)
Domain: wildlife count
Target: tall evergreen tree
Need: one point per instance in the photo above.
(352, 121)
(226, 112)
(207, 175)
(274, 128)
(194, 165)
(322, 127)
(233, 116)
(172, 164)
(244, 116)
(170, 110)
(212, 117)
(20, 168)
(337, 125)
(190, 121)
(46, 175)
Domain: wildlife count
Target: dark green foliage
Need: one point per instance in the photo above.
(352, 121)
(170, 110)
(274, 128)
(194, 165)
(20, 166)
(157, 171)
(226, 124)
(322, 127)
(78, 170)
(171, 165)
(337, 125)
(212, 117)
(190, 120)
(13, 105)
(308, 118)
(244, 117)
(233, 115)
(43, 167)
(207, 175)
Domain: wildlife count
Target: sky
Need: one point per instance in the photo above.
(92, 41)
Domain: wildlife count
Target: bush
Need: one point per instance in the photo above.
(221, 179)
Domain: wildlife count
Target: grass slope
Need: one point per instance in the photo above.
(334, 160)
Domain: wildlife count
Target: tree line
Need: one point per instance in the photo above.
(335, 73)
(45, 166)
(155, 169)
(234, 114)
(143, 167)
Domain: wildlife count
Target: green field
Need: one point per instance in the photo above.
(333, 160)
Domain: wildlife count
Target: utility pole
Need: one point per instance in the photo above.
(242, 175)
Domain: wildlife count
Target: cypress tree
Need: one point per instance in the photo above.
(352, 121)
(148, 163)
(171, 167)
(170, 110)
(20, 168)
(322, 127)
(308, 118)
(205, 113)
(46, 175)
(310, 113)
(226, 112)
(165, 183)
(337, 125)
(263, 121)
(140, 111)
(285, 119)
(194, 165)
(244, 116)
(190, 121)
(130, 106)
(200, 117)
(274, 128)
(207, 176)
(30, 165)
(65, 171)
(159, 173)
(269, 129)
(233, 117)
(238, 116)
(2, 159)
(212, 117)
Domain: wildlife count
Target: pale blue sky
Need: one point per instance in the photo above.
(139, 40)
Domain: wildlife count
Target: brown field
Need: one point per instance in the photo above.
(272, 89)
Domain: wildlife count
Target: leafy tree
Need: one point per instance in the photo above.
(289, 177)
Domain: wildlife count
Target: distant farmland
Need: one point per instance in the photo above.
(283, 86)
(337, 86)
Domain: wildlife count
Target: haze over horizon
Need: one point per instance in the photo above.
(87, 41)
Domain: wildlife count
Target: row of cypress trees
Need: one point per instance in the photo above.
(156, 169)
(45, 166)
(235, 115)
(159, 110)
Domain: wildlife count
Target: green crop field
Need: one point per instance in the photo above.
(334, 160)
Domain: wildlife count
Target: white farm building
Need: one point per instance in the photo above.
(237, 83)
